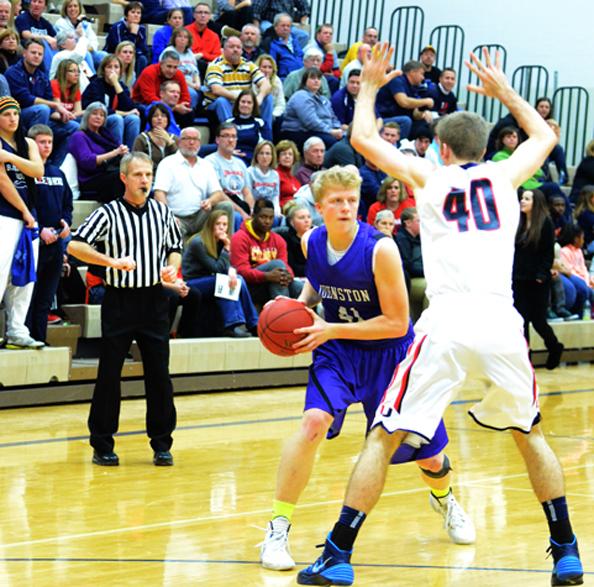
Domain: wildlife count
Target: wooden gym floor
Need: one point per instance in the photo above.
(65, 522)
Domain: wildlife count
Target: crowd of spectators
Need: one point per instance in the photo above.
(279, 104)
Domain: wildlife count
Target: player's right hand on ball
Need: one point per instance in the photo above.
(318, 333)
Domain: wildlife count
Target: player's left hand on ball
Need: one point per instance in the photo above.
(318, 333)
(169, 274)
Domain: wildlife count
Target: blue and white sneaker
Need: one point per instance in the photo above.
(332, 568)
(568, 567)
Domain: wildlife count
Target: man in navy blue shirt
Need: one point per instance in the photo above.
(404, 98)
(31, 88)
(30, 24)
(444, 99)
(343, 101)
(54, 216)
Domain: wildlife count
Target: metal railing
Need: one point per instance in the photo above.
(531, 82)
(449, 40)
(491, 110)
(349, 18)
(406, 33)
(571, 106)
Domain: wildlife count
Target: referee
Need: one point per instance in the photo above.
(142, 248)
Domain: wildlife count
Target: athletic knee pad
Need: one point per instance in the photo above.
(445, 469)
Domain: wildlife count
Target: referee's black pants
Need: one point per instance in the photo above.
(128, 314)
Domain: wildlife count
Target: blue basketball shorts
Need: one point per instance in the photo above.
(343, 374)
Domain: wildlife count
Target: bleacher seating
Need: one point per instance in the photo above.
(196, 356)
(81, 209)
(19, 368)
(87, 316)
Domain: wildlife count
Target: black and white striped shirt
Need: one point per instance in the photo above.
(148, 235)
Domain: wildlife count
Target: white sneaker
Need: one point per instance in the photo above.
(458, 525)
(274, 551)
(23, 342)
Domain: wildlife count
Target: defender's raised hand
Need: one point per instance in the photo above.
(494, 82)
(376, 65)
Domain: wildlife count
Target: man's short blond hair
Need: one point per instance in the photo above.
(337, 177)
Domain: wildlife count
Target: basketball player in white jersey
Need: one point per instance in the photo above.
(469, 214)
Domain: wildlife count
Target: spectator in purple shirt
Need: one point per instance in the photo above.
(97, 156)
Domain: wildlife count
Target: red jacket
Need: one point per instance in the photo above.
(248, 251)
(146, 88)
(289, 185)
(207, 42)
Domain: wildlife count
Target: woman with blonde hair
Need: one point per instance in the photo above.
(123, 120)
(74, 20)
(126, 52)
(263, 179)
(392, 196)
(267, 66)
(206, 256)
(66, 86)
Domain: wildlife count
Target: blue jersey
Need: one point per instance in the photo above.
(347, 288)
(20, 183)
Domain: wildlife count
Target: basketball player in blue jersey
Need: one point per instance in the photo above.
(469, 216)
(356, 273)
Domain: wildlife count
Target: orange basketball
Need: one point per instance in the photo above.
(277, 322)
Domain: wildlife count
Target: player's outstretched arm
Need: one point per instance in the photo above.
(530, 155)
(365, 137)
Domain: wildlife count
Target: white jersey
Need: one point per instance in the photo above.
(469, 216)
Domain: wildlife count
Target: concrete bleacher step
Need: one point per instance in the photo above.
(577, 337)
(109, 11)
(208, 355)
(31, 367)
(59, 335)
(88, 316)
(86, 369)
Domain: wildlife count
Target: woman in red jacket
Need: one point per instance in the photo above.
(392, 196)
(287, 156)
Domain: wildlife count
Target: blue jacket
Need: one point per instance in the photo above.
(25, 87)
(119, 32)
(286, 60)
(54, 198)
(161, 39)
(343, 105)
(371, 180)
(309, 112)
(99, 90)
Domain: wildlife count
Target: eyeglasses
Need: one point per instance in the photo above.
(232, 137)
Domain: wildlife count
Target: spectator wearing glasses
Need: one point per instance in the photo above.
(228, 75)
(189, 185)
(206, 44)
(232, 172)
